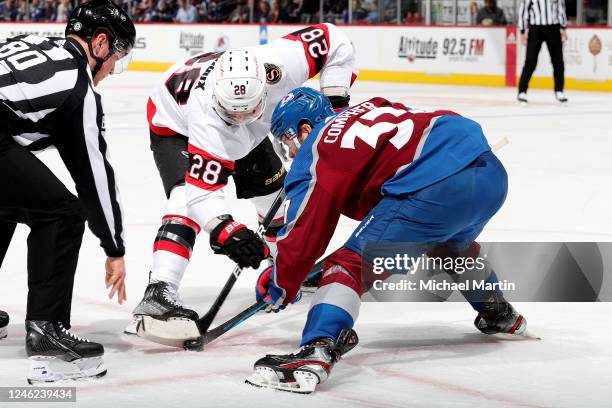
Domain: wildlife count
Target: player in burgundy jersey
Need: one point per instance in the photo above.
(427, 178)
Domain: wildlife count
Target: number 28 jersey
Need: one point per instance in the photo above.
(348, 164)
(181, 103)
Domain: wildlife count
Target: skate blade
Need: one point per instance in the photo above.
(172, 332)
(530, 335)
(45, 369)
(264, 377)
(132, 328)
(3, 333)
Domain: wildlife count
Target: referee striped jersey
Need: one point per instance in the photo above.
(47, 99)
(541, 12)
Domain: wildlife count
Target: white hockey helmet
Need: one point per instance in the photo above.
(239, 95)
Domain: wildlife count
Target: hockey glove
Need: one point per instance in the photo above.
(239, 243)
(267, 290)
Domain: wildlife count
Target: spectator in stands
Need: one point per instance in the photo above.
(36, 10)
(277, 13)
(187, 13)
(308, 11)
(240, 14)
(214, 12)
(22, 11)
(47, 11)
(359, 13)
(201, 7)
(150, 11)
(262, 13)
(413, 15)
(293, 8)
(372, 7)
(166, 12)
(63, 11)
(8, 11)
(490, 14)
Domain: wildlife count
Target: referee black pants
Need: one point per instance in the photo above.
(31, 194)
(551, 35)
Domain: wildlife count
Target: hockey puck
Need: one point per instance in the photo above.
(193, 345)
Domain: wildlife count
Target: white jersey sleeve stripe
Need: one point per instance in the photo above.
(97, 160)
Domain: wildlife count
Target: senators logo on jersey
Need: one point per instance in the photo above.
(273, 73)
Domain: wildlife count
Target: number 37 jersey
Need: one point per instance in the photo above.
(345, 167)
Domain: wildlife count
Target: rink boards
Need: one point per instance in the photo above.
(451, 55)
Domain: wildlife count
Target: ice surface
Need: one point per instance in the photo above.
(410, 354)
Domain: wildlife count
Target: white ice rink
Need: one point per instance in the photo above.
(410, 354)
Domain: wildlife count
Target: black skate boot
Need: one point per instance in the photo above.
(161, 301)
(500, 317)
(162, 308)
(56, 354)
(4, 321)
(302, 371)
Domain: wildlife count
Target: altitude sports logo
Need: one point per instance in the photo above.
(413, 48)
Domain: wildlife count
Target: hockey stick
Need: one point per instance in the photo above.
(175, 331)
(213, 334)
(499, 144)
(199, 343)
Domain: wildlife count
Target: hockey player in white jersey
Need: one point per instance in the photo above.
(209, 118)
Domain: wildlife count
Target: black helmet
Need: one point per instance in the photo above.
(89, 18)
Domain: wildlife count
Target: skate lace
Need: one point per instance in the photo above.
(172, 296)
(71, 335)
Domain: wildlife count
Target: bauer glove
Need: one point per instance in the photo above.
(239, 243)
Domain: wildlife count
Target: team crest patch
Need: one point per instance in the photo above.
(273, 73)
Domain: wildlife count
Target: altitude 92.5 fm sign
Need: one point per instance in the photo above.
(455, 48)
(449, 50)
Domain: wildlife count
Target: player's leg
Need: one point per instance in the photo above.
(259, 176)
(486, 179)
(34, 196)
(175, 237)
(328, 332)
(534, 44)
(555, 49)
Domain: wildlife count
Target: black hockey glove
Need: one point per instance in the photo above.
(339, 102)
(239, 243)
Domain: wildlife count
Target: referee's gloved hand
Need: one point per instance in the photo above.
(239, 243)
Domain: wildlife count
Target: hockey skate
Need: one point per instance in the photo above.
(302, 371)
(56, 354)
(4, 321)
(161, 302)
(561, 98)
(500, 317)
(522, 99)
